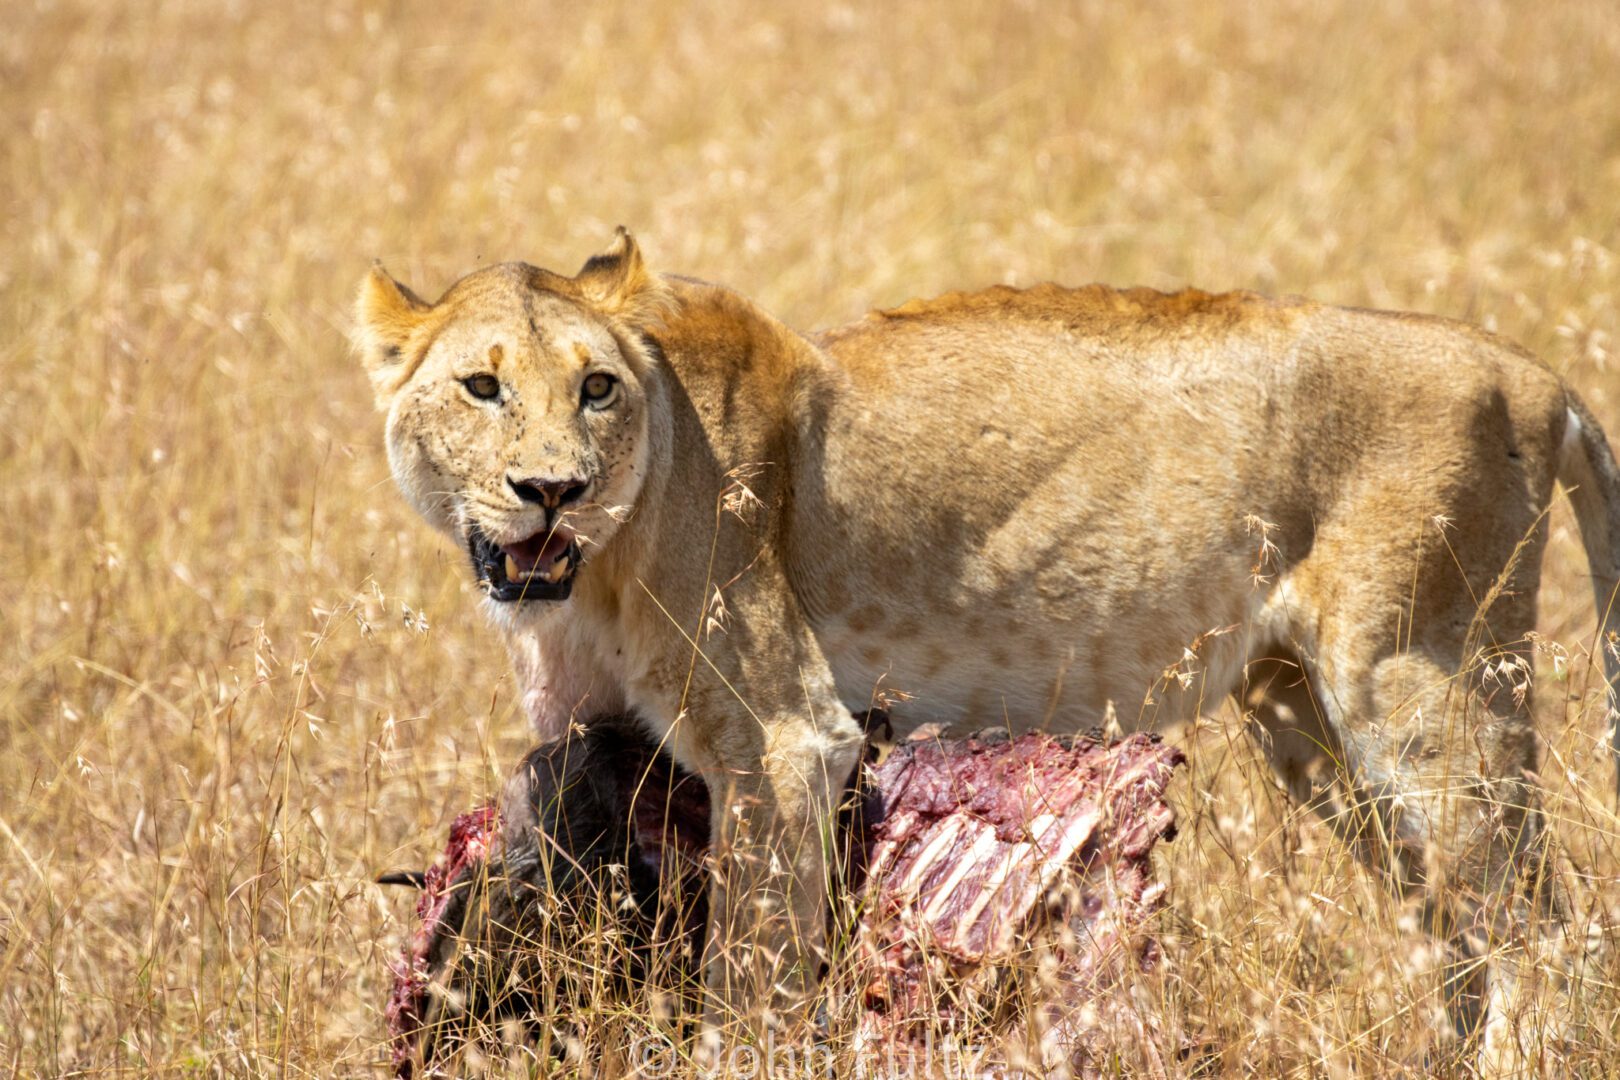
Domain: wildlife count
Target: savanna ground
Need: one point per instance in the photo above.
(238, 678)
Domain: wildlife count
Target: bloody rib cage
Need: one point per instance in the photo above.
(986, 878)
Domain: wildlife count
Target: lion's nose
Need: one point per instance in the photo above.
(551, 494)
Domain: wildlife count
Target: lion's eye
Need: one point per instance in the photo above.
(482, 387)
(598, 387)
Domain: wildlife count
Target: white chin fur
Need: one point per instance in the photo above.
(514, 616)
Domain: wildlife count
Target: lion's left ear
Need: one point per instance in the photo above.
(387, 317)
(617, 282)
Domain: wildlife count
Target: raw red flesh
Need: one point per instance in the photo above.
(470, 837)
(973, 855)
(968, 860)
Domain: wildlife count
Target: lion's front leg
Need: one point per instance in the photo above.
(773, 804)
(761, 722)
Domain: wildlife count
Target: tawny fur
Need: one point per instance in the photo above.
(1029, 507)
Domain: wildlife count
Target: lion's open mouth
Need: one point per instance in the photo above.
(539, 568)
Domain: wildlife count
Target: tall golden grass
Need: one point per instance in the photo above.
(237, 678)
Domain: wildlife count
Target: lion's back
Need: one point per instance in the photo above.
(1098, 312)
(1142, 341)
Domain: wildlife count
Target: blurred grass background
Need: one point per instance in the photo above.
(237, 677)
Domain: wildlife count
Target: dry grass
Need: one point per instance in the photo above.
(237, 678)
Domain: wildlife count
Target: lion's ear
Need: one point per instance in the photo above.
(387, 316)
(617, 282)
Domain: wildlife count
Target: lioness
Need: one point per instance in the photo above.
(1023, 507)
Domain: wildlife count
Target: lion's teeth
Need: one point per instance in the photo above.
(552, 574)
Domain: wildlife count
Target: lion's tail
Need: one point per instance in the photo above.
(1590, 474)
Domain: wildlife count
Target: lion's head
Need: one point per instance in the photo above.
(518, 410)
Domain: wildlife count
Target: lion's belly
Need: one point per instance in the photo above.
(1029, 663)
